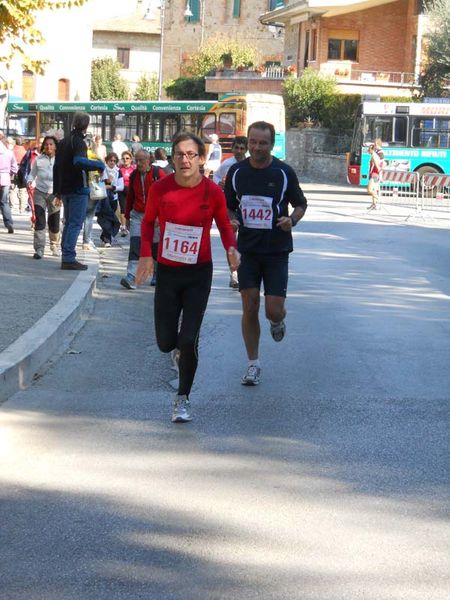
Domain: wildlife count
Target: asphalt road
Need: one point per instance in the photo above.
(328, 481)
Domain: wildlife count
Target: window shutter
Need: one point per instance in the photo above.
(194, 5)
(236, 8)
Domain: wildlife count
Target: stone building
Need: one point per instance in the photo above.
(232, 19)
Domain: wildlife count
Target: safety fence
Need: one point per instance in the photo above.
(435, 192)
(411, 190)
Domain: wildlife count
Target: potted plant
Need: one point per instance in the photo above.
(227, 60)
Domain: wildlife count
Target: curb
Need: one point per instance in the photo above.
(20, 361)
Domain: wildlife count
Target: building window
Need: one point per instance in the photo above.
(236, 8)
(274, 4)
(27, 85)
(63, 89)
(343, 45)
(306, 55)
(314, 44)
(194, 5)
(123, 57)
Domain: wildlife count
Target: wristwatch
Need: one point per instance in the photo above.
(294, 221)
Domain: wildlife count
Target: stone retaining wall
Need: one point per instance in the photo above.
(306, 152)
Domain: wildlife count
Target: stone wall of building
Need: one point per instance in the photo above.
(306, 152)
(182, 39)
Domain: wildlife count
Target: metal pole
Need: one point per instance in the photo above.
(161, 49)
(202, 23)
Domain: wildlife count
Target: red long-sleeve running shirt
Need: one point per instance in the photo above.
(181, 206)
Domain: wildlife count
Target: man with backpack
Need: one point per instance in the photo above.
(70, 183)
(139, 184)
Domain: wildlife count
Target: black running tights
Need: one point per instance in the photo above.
(182, 290)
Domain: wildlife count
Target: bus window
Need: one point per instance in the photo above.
(54, 121)
(170, 128)
(431, 133)
(189, 123)
(107, 134)
(391, 130)
(227, 124)
(151, 128)
(23, 125)
(126, 125)
(95, 125)
(208, 125)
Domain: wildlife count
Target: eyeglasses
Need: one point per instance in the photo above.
(189, 155)
(126, 157)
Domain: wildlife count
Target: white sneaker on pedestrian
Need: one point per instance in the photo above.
(181, 408)
(55, 251)
(123, 231)
(234, 283)
(278, 330)
(251, 376)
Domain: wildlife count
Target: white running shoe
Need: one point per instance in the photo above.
(278, 330)
(234, 283)
(251, 376)
(181, 408)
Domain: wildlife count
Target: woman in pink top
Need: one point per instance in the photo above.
(127, 166)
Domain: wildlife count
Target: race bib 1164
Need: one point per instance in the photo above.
(181, 243)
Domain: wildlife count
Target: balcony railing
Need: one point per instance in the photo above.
(268, 72)
(376, 77)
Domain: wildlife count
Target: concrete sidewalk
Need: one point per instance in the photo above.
(40, 304)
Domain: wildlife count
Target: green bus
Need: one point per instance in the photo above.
(156, 123)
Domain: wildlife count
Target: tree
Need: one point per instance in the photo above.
(188, 88)
(307, 97)
(17, 29)
(106, 81)
(436, 74)
(147, 88)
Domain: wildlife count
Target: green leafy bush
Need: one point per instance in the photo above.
(188, 88)
(339, 111)
(147, 88)
(210, 56)
(305, 98)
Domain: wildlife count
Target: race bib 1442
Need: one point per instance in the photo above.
(257, 212)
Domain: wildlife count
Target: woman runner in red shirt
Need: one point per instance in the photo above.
(185, 204)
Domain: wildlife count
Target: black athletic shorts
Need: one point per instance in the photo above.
(122, 201)
(271, 269)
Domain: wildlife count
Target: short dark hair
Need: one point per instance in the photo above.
(160, 154)
(111, 155)
(241, 140)
(80, 121)
(48, 137)
(263, 126)
(184, 136)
